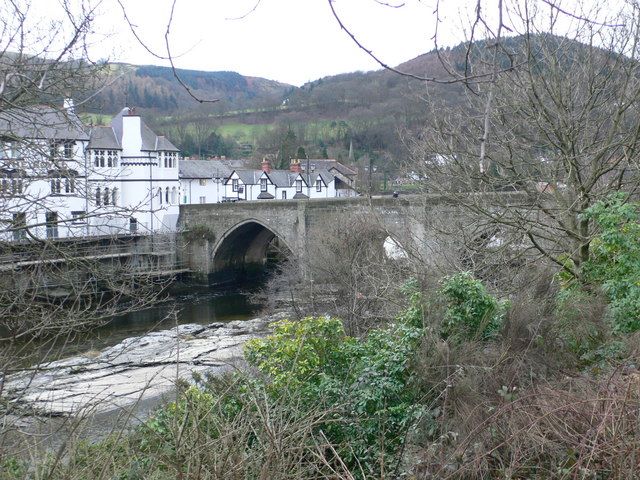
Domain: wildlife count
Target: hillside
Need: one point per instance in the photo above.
(155, 89)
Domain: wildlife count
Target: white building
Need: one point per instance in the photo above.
(267, 184)
(203, 181)
(59, 178)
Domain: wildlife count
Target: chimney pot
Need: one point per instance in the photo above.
(266, 165)
(295, 166)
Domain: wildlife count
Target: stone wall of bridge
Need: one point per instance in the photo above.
(221, 240)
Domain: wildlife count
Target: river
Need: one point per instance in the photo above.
(202, 307)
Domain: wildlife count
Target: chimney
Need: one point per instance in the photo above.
(266, 165)
(295, 166)
(68, 105)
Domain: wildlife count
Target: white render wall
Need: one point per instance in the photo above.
(137, 178)
(192, 190)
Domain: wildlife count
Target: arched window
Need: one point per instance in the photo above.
(174, 195)
(115, 198)
(98, 197)
(107, 196)
(166, 195)
(160, 195)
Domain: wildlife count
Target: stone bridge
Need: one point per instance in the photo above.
(225, 242)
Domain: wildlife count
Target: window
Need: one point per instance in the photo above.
(115, 197)
(318, 185)
(203, 182)
(112, 158)
(18, 223)
(16, 186)
(284, 195)
(53, 150)
(203, 199)
(133, 225)
(51, 221)
(263, 184)
(69, 185)
(234, 184)
(78, 217)
(160, 195)
(98, 197)
(56, 186)
(107, 196)
(166, 195)
(98, 158)
(68, 150)
(174, 195)
(299, 186)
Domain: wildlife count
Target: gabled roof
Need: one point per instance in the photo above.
(330, 164)
(203, 169)
(282, 178)
(327, 177)
(163, 143)
(104, 138)
(42, 122)
(249, 177)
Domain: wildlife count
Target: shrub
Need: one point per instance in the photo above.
(472, 313)
(614, 262)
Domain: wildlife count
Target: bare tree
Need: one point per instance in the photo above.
(553, 132)
(52, 289)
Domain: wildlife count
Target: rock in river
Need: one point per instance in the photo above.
(135, 369)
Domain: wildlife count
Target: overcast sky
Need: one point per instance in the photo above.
(292, 41)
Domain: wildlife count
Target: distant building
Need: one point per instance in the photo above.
(268, 184)
(60, 178)
(345, 177)
(203, 181)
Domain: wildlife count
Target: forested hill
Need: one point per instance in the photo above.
(157, 89)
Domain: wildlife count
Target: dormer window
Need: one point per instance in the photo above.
(234, 185)
(299, 186)
(319, 185)
(263, 184)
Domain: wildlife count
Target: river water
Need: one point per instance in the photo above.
(203, 306)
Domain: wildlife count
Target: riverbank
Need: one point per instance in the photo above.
(138, 369)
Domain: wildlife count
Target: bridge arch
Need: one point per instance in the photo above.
(246, 251)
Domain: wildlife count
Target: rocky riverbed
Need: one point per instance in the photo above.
(134, 371)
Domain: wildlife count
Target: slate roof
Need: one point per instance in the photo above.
(265, 196)
(328, 164)
(42, 122)
(299, 195)
(249, 177)
(150, 141)
(163, 143)
(104, 138)
(326, 176)
(203, 169)
(282, 178)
